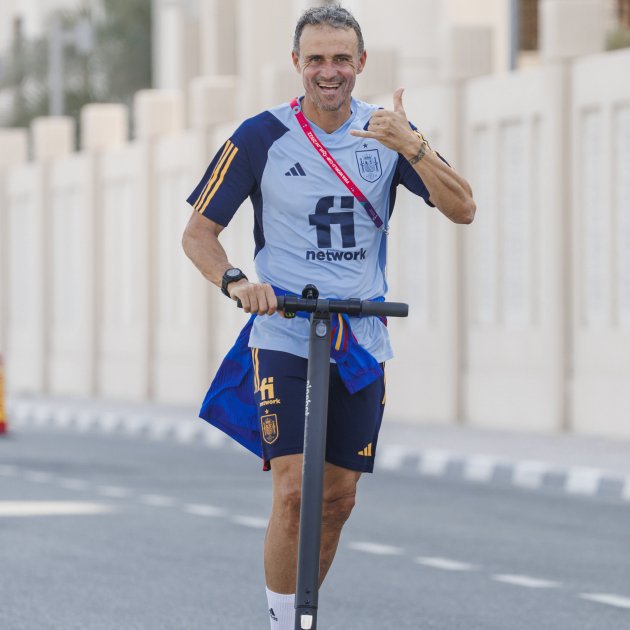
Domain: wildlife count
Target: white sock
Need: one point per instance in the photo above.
(281, 610)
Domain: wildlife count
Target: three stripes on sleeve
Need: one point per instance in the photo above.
(216, 179)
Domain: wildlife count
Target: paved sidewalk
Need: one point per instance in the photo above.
(578, 465)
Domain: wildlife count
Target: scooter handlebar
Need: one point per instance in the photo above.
(385, 309)
(292, 304)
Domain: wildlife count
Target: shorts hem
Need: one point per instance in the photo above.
(368, 467)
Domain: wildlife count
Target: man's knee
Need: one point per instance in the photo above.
(337, 507)
(287, 489)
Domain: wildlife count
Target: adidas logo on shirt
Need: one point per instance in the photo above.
(296, 171)
(367, 451)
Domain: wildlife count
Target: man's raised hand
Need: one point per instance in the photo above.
(391, 128)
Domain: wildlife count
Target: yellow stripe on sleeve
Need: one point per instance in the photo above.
(226, 148)
(230, 156)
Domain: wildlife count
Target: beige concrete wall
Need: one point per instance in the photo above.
(124, 281)
(520, 321)
(70, 274)
(515, 147)
(13, 151)
(423, 380)
(25, 303)
(600, 275)
(181, 331)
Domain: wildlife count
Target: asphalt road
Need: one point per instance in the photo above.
(112, 533)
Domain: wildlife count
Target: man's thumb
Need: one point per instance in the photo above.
(398, 104)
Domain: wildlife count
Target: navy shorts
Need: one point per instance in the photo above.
(354, 420)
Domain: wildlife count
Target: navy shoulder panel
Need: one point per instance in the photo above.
(256, 136)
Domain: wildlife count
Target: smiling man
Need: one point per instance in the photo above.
(312, 225)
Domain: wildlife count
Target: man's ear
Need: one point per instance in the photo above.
(296, 62)
(362, 60)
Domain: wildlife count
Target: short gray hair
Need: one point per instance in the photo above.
(329, 15)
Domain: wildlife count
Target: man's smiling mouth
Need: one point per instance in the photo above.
(329, 87)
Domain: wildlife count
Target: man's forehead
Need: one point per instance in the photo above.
(318, 38)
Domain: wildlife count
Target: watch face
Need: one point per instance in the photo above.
(233, 273)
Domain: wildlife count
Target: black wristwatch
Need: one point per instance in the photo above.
(231, 275)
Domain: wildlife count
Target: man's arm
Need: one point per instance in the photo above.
(201, 244)
(448, 191)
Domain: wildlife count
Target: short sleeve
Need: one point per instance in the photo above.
(227, 182)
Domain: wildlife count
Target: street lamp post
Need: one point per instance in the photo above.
(81, 36)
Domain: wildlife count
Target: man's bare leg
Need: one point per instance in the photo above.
(281, 539)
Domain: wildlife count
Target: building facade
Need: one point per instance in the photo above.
(520, 321)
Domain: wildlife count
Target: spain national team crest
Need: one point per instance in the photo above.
(269, 426)
(369, 164)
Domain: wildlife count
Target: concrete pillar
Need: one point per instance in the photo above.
(218, 37)
(13, 151)
(380, 75)
(412, 26)
(468, 52)
(279, 83)
(13, 147)
(175, 37)
(104, 125)
(157, 113)
(53, 137)
(212, 101)
(572, 28)
(265, 36)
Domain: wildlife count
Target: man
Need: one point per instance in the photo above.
(310, 229)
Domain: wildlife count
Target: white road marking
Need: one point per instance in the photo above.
(446, 564)
(62, 417)
(213, 437)
(109, 421)
(250, 521)
(434, 462)
(583, 480)
(8, 471)
(391, 457)
(37, 476)
(525, 580)
(609, 599)
(187, 431)
(115, 492)
(376, 549)
(204, 510)
(51, 508)
(529, 474)
(157, 500)
(73, 484)
(479, 468)
(159, 431)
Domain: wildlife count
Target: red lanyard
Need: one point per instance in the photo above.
(337, 170)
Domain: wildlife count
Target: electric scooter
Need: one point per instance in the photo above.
(316, 413)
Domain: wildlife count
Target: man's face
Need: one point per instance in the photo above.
(329, 62)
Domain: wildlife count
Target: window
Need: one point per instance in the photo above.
(529, 24)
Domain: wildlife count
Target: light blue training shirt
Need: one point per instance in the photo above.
(308, 227)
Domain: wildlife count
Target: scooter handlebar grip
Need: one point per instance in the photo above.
(385, 309)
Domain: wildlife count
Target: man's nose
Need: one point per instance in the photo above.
(328, 69)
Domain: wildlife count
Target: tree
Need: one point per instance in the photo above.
(118, 65)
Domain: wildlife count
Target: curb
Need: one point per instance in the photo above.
(577, 481)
